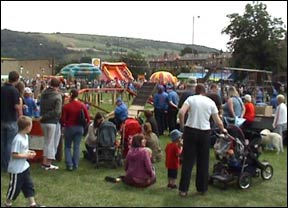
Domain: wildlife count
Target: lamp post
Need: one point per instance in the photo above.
(193, 29)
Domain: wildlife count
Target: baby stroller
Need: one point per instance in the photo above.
(238, 159)
(106, 149)
(129, 128)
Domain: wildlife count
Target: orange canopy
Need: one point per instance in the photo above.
(163, 77)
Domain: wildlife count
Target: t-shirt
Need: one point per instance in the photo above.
(9, 98)
(200, 110)
(172, 156)
(121, 112)
(19, 145)
(250, 112)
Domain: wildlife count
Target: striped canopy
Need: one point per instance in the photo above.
(83, 70)
(163, 77)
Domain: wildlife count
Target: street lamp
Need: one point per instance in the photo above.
(193, 29)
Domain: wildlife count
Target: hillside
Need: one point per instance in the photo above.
(66, 46)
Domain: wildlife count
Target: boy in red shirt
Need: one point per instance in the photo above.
(173, 151)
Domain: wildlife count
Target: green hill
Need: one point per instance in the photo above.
(66, 46)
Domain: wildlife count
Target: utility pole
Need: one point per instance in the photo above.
(193, 29)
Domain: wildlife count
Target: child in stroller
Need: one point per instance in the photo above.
(238, 159)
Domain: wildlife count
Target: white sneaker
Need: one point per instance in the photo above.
(50, 167)
(53, 167)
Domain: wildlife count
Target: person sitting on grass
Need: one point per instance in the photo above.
(152, 141)
(91, 138)
(138, 166)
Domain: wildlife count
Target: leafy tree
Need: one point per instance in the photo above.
(185, 51)
(85, 59)
(255, 38)
(188, 50)
(136, 63)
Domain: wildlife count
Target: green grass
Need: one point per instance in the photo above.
(87, 187)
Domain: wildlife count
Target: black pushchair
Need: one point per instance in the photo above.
(106, 148)
(238, 159)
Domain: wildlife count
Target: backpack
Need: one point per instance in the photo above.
(83, 122)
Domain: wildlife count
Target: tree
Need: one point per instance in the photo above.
(188, 50)
(136, 63)
(85, 59)
(255, 38)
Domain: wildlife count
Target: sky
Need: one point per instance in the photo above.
(155, 20)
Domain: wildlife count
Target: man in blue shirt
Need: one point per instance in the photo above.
(160, 100)
(120, 113)
(173, 100)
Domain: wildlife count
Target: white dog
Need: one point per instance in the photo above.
(273, 138)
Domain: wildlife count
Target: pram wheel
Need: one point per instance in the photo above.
(267, 172)
(244, 180)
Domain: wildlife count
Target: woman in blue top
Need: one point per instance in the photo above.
(234, 107)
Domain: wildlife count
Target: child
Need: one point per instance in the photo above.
(18, 168)
(173, 151)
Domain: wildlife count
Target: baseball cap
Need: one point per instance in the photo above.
(119, 100)
(175, 134)
(27, 90)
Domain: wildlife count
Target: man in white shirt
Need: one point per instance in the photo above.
(196, 139)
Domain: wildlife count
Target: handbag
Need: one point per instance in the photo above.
(83, 122)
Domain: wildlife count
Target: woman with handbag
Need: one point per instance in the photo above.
(73, 130)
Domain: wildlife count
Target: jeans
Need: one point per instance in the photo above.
(280, 128)
(72, 134)
(8, 132)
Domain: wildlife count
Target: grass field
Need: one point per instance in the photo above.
(87, 187)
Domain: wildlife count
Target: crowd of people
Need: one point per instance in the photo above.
(199, 108)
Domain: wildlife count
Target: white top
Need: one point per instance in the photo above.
(280, 115)
(200, 110)
(91, 136)
(19, 145)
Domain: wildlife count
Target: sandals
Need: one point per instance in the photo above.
(183, 194)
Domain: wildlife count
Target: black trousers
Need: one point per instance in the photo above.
(161, 118)
(172, 118)
(196, 148)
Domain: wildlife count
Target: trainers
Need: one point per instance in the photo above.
(49, 167)
(7, 205)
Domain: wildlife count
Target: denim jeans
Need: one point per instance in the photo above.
(72, 134)
(8, 132)
(280, 128)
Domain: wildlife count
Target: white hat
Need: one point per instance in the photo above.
(248, 98)
(27, 90)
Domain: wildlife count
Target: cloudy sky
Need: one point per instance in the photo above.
(163, 21)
